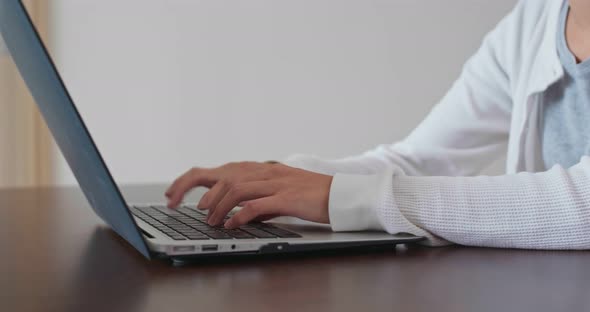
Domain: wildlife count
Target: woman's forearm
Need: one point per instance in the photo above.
(548, 210)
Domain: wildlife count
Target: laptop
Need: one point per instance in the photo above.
(152, 229)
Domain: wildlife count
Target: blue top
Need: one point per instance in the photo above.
(565, 129)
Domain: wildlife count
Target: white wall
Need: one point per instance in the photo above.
(166, 85)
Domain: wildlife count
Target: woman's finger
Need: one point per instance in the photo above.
(238, 193)
(207, 197)
(260, 218)
(217, 193)
(193, 178)
(237, 177)
(254, 209)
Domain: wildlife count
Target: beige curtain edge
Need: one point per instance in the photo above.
(37, 146)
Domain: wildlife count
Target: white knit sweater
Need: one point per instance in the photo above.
(424, 185)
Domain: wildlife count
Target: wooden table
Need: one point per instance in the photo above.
(58, 256)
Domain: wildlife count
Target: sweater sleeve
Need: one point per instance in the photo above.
(464, 132)
(547, 210)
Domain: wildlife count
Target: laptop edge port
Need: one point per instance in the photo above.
(209, 248)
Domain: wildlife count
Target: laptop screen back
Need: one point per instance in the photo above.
(64, 121)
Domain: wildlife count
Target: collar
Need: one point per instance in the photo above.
(547, 66)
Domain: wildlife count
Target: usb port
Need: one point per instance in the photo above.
(209, 248)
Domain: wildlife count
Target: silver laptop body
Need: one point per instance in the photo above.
(311, 236)
(129, 221)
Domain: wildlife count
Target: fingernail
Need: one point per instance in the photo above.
(204, 201)
(227, 224)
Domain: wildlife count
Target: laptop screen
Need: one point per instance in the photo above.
(64, 121)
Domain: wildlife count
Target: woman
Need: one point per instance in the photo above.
(527, 90)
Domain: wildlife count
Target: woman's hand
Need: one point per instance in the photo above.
(263, 190)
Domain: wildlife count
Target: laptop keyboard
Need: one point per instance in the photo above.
(187, 223)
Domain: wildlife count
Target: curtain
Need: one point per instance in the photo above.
(26, 147)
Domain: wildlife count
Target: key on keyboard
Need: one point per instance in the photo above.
(189, 223)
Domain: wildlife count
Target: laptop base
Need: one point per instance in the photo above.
(282, 250)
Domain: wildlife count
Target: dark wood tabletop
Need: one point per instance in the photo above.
(56, 255)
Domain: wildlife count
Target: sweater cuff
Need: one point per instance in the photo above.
(353, 202)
